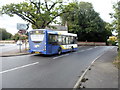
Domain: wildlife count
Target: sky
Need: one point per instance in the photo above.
(103, 7)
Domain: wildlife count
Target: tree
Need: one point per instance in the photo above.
(87, 23)
(4, 35)
(116, 25)
(39, 14)
(116, 22)
(18, 36)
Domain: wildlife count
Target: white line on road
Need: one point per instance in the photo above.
(95, 47)
(75, 52)
(60, 56)
(80, 79)
(18, 67)
(79, 51)
(82, 51)
(89, 48)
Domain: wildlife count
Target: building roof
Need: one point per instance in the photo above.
(58, 28)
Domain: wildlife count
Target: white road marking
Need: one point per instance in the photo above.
(75, 52)
(89, 48)
(81, 51)
(18, 67)
(60, 56)
(80, 79)
(95, 47)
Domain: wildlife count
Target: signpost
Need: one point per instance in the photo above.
(19, 42)
(22, 26)
(22, 30)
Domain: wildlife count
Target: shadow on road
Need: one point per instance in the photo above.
(53, 55)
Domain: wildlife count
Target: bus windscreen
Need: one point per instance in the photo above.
(37, 36)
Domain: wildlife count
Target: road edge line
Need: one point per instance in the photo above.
(80, 79)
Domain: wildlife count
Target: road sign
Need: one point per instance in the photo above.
(21, 26)
(22, 31)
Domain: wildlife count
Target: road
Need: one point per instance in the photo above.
(39, 71)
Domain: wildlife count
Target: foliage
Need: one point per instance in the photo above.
(4, 35)
(109, 26)
(87, 23)
(39, 14)
(112, 40)
(18, 36)
(116, 24)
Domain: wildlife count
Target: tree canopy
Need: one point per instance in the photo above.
(80, 17)
(39, 14)
(87, 23)
(18, 36)
(116, 21)
(116, 26)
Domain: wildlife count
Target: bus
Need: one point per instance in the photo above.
(43, 41)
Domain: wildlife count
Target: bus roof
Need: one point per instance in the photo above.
(56, 32)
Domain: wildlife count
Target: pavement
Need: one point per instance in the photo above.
(102, 73)
(8, 50)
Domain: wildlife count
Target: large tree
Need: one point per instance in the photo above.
(4, 35)
(116, 24)
(87, 23)
(116, 21)
(39, 14)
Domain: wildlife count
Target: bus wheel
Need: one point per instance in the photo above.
(72, 49)
(59, 51)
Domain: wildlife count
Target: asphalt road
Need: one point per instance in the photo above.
(39, 71)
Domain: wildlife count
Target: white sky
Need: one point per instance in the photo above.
(103, 7)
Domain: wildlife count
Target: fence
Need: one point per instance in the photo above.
(91, 44)
(7, 41)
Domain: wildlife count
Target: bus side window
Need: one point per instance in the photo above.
(67, 39)
(60, 39)
(53, 39)
(63, 40)
(71, 40)
(49, 38)
(75, 40)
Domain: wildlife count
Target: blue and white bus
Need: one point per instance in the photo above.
(50, 42)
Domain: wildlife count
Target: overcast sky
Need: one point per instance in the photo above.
(103, 7)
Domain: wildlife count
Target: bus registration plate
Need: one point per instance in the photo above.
(37, 52)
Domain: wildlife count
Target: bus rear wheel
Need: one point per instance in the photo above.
(59, 51)
(72, 49)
